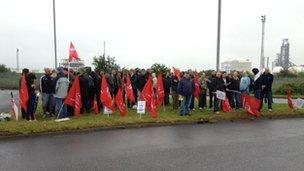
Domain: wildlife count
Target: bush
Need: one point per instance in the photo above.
(297, 89)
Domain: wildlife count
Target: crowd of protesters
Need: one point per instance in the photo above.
(179, 89)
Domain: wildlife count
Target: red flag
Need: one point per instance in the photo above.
(73, 55)
(197, 90)
(176, 73)
(226, 106)
(251, 105)
(95, 106)
(74, 97)
(147, 95)
(130, 94)
(23, 94)
(105, 95)
(120, 103)
(160, 90)
(289, 98)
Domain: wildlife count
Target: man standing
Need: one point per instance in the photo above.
(267, 79)
(211, 88)
(203, 97)
(167, 87)
(257, 86)
(186, 89)
(47, 91)
(61, 90)
(236, 101)
(218, 84)
(174, 85)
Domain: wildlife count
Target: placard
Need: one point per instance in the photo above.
(220, 95)
(299, 103)
(141, 107)
(107, 111)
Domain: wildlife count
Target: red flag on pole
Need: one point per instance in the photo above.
(197, 90)
(95, 106)
(147, 95)
(120, 103)
(160, 90)
(74, 97)
(289, 98)
(251, 105)
(73, 55)
(105, 95)
(226, 106)
(130, 94)
(23, 94)
(176, 73)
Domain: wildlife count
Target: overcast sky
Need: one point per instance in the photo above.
(138, 33)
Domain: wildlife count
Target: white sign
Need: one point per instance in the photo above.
(107, 111)
(299, 103)
(220, 95)
(141, 107)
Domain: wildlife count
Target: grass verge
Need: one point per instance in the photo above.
(166, 117)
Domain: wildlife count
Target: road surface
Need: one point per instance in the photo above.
(248, 145)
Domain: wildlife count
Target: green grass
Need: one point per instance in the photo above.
(168, 117)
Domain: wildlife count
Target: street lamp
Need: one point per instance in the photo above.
(55, 37)
(262, 58)
(218, 46)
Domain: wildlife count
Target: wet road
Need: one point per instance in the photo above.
(5, 96)
(249, 145)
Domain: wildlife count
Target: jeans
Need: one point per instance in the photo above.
(47, 102)
(166, 99)
(32, 106)
(258, 95)
(192, 102)
(60, 107)
(268, 95)
(186, 105)
(236, 100)
(217, 104)
(202, 101)
(211, 96)
(175, 100)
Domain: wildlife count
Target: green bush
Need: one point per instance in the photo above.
(297, 89)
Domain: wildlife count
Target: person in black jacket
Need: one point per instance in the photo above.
(236, 101)
(167, 87)
(267, 79)
(33, 98)
(218, 84)
(257, 85)
(47, 91)
(211, 89)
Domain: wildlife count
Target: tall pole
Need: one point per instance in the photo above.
(55, 36)
(218, 35)
(17, 56)
(262, 58)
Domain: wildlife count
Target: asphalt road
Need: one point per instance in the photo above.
(248, 145)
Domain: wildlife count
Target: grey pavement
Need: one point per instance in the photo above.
(247, 145)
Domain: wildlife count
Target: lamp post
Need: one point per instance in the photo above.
(262, 58)
(55, 36)
(218, 46)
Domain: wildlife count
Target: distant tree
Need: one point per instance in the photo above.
(106, 64)
(3, 68)
(159, 68)
(286, 73)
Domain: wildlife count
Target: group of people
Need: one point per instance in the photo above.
(182, 87)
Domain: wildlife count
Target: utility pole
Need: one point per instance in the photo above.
(17, 56)
(218, 46)
(55, 36)
(267, 62)
(262, 58)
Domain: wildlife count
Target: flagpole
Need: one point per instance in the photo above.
(55, 36)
